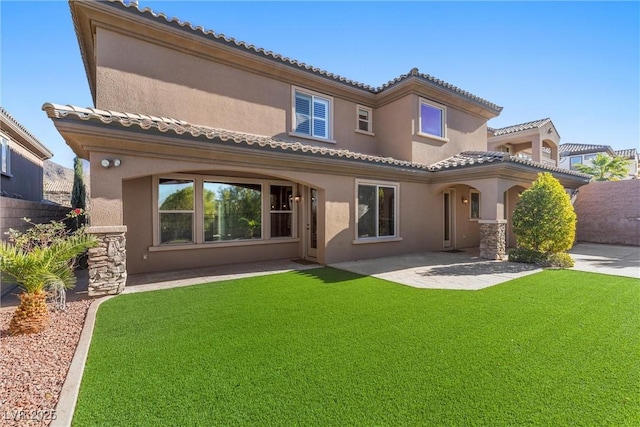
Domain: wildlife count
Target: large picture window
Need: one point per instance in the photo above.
(432, 119)
(176, 210)
(195, 210)
(376, 210)
(312, 114)
(232, 211)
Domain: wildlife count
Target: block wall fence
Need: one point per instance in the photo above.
(609, 212)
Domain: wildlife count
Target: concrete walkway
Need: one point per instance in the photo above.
(607, 259)
(463, 270)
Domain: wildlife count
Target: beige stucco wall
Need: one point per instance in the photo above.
(420, 216)
(394, 126)
(464, 133)
(164, 82)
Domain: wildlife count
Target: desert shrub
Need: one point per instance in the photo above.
(543, 259)
(544, 219)
(559, 260)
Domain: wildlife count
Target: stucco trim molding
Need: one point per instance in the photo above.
(492, 221)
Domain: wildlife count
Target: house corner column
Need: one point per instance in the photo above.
(493, 239)
(108, 261)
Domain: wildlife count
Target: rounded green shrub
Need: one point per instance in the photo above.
(544, 219)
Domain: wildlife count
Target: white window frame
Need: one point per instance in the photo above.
(283, 211)
(198, 213)
(471, 217)
(313, 95)
(443, 119)
(396, 224)
(5, 155)
(369, 122)
(192, 211)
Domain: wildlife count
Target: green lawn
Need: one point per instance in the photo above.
(330, 348)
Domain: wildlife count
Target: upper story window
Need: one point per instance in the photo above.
(364, 120)
(432, 120)
(312, 114)
(5, 157)
(575, 160)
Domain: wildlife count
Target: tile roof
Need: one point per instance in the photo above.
(232, 42)
(518, 128)
(180, 127)
(569, 149)
(475, 158)
(629, 153)
(11, 121)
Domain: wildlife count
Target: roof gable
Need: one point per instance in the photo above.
(20, 133)
(160, 19)
(535, 124)
(575, 149)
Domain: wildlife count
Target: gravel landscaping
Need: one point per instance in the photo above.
(33, 367)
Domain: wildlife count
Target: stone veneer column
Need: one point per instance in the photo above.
(493, 239)
(108, 261)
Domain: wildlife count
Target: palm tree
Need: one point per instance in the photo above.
(605, 168)
(37, 269)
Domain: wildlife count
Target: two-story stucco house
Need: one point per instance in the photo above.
(205, 150)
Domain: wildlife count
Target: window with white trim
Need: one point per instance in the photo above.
(364, 119)
(5, 156)
(281, 210)
(176, 210)
(432, 120)
(202, 209)
(474, 204)
(376, 210)
(312, 114)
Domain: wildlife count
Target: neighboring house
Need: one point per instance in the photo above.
(21, 160)
(208, 151)
(631, 154)
(537, 140)
(574, 154)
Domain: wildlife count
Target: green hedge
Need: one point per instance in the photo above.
(543, 259)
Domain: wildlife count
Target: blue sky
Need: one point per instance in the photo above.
(576, 62)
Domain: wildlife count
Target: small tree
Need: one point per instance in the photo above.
(39, 260)
(79, 192)
(544, 220)
(605, 168)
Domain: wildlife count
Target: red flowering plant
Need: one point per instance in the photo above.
(41, 261)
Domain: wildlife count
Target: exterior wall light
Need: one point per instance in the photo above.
(297, 198)
(107, 163)
(464, 200)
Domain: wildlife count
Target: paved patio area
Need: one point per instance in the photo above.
(463, 270)
(607, 259)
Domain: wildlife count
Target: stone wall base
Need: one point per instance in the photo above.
(108, 261)
(493, 239)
